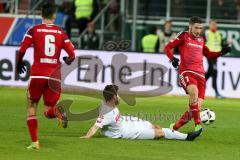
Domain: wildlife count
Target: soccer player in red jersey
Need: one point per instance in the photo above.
(48, 40)
(192, 48)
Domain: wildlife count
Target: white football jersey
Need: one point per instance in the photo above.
(109, 121)
(116, 126)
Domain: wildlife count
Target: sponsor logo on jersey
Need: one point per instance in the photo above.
(49, 31)
(195, 45)
(117, 117)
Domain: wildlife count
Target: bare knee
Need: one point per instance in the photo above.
(158, 133)
(157, 127)
(200, 103)
(193, 93)
(32, 107)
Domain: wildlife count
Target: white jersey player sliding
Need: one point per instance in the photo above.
(114, 125)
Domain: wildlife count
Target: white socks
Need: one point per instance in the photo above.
(171, 134)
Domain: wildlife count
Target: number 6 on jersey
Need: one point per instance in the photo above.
(49, 45)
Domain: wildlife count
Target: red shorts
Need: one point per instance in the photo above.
(188, 78)
(39, 86)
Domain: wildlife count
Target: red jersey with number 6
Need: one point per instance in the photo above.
(48, 40)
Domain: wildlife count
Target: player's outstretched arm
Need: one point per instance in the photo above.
(213, 55)
(91, 132)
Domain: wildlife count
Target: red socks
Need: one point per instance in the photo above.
(188, 115)
(183, 120)
(194, 109)
(50, 113)
(32, 124)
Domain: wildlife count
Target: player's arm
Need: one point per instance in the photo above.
(27, 41)
(171, 45)
(212, 55)
(91, 132)
(100, 122)
(69, 48)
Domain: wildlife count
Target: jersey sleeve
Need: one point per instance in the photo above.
(173, 44)
(103, 121)
(209, 54)
(68, 47)
(27, 41)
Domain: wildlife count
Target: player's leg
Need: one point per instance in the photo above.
(50, 98)
(51, 95)
(210, 70)
(172, 134)
(214, 80)
(150, 131)
(185, 118)
(200, 103)
(193, 105)
(185, 81)
(34, 94)
(155, 126)
(32, 124)
(201, 95)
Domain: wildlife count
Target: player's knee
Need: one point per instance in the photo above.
(158, 133)
(156, 127)
(193, 90)
(32, 103)
(31, 110)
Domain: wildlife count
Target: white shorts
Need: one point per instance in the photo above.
(138, 130)
(147, 132)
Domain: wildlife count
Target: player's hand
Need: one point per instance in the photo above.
(67, 60)
(21, 67)
(226, 49)
(175, 62)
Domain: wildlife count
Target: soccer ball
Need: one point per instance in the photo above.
(207, 116)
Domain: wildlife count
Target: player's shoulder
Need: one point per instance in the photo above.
(104, 109)
(181, 34)
(58, 28)
(60, 31)
(30, 29)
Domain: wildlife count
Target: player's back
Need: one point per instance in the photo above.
(48, 41)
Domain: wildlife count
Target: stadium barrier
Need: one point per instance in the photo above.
(94, 69)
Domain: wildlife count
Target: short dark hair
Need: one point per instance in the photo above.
(195, 19)
(48, 9)
(153, 30)
(109, 91)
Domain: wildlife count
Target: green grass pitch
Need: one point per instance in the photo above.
(219, 141)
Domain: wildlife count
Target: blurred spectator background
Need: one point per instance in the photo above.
(116, 20)
(150, 42)
(90, 40)
(165, 35)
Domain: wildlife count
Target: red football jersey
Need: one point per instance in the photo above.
(48, 40)
(192, 49)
